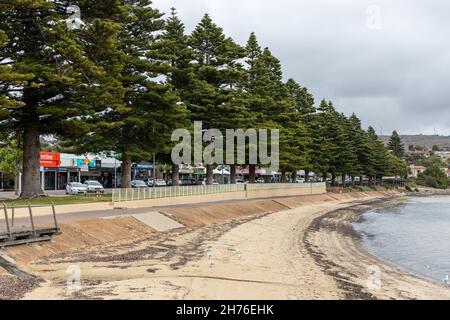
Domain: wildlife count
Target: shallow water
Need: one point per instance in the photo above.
(414, 235)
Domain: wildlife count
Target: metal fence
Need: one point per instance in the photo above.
(134, 194)
(14, 235)
(275, 186)
(120, 195)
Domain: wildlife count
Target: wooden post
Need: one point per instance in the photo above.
(6, 220)
(31, 218)
(54, 216)
(12, 215)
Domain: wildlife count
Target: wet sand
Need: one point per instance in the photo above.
(297, 249)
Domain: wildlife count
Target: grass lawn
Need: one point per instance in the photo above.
(78, 199)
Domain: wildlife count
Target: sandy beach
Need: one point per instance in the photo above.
(284, 248)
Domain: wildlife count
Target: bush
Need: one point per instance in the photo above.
(408, 188)
(434, 176)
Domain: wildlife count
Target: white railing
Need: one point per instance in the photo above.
(134, 194)
(272, 186)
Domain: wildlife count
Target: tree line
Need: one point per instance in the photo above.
(130, 76)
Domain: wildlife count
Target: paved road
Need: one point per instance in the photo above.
(117, 211)
(55, 193)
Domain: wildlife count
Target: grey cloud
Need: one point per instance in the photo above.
(396, 77)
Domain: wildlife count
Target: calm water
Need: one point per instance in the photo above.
(414, 235)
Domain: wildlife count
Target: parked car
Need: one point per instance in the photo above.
(185, 182)
(239, 181)
(215, 183)
(260, 180)
(138, 184)
(75, 188)
(300, 181)
(159, 183)
(94, 186)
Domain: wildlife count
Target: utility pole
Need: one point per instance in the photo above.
(154, 170)
(115, 172)
(154, 162)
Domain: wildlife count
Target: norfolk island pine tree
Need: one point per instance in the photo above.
(41, 46)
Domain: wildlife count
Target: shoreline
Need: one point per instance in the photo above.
(296, 248)
(392, 263)
(350, 274)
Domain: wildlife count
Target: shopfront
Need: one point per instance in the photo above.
(6, 181)
(57, 170)
(142, 171)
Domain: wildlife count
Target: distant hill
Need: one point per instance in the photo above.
(427, 141)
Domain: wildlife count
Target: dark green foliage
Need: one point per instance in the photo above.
(129, 77)
(46, 77)
(396, 146)
(435, 175)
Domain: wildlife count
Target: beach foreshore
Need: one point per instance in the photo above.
(284, 248)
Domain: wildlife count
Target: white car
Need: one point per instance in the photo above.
(260, 180)
(94, 186)
(215, 183)
(159, 183)
(138, 184)
(75, 188)
(300, 181)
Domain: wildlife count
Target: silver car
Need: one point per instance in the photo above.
(76, 188)
(138, 184)
(94, 186)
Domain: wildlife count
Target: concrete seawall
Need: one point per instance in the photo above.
(257, 191)
(250, 192)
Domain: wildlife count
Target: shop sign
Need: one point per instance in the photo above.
(199, 171)
(85, 164)
(50, 159)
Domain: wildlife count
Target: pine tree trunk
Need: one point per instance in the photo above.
(126, 170)
(252, 174)
(233, 174)
(344, 176)
(209, 174)
(175, 175)
(283, 177)
(333, 179)
(353, 181)
(31, 183)
(360, 180)
(324, 177)
(294, 177)
(306, 176)
(16, 184)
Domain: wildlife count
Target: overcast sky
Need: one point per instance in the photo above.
(388, 61)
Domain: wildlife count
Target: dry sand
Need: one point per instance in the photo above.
(286, 248)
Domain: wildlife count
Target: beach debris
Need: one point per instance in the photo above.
(446, 280)
(429, 267)
(210, 262)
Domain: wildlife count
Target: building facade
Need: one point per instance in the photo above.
(59, 169)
